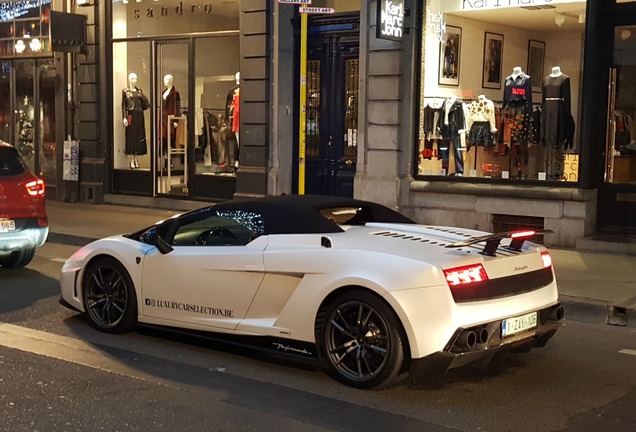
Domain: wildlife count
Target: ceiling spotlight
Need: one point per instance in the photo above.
(559, 19)
(626, 34)
(582, 18)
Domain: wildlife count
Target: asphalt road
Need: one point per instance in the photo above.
(58, 374)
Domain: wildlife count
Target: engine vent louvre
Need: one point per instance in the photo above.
(475, 248)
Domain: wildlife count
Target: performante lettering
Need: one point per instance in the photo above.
(186, 307)
(286, 348)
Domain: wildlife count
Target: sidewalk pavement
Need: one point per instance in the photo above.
(593, 287)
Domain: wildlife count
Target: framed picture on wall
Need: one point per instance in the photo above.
(536, 58)
(493, 55)
(449, 55)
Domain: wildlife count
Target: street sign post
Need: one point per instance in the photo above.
(302, 117)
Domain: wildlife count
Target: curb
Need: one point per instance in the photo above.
(595, 312)
(69, 239)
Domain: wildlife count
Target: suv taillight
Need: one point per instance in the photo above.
(35, 188)
(465, 274)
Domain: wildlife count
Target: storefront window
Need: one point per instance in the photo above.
(500, 90)
(217, 99)
(172, 50)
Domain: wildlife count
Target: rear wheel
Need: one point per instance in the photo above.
(18, 259)
(361, 341)
(109, 296)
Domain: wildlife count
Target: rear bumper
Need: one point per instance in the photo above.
(25, 238)
(487, 347)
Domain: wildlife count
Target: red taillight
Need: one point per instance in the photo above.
(35, 188)
(546, 258)
(465, 274)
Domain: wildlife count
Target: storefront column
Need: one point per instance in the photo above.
(255, 69)
(385, 115)
(598, 37)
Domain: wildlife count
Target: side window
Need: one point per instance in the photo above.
(220, 228)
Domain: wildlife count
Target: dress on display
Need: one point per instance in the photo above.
(517, 109)
(170, 105)
(133, 104)
(556, 121)
(481, 123)
(454, 121)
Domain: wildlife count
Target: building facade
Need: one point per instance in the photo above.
(483, 114)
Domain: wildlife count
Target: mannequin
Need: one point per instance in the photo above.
(452, 125)
(170, 105)
(556, 71)
(236, 105)
(481, 122)
(557, 124)
(133, 105)
(229, 133)
(517, 117)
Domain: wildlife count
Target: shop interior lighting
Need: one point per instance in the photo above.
(20, 46)
(559, 19)
(626, 34)
(35, 45)
(581, 18)
(10, 11)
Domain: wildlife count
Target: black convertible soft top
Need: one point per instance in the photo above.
(306, 214)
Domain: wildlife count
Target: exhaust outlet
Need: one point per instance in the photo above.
(467, 339)
(557, 313)
(483, 335)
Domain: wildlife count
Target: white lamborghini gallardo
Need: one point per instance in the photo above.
(363, 289)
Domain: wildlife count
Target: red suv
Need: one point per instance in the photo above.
(23, 222)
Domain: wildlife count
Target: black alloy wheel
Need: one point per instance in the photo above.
(109, 296)
(362, 341)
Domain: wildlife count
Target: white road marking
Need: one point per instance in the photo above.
(60, 260)
(628, 352)
(64, 348)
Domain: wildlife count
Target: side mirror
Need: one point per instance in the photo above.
(152, 237)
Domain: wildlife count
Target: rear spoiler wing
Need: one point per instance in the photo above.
(493, 240)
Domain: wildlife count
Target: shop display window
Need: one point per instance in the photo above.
(164, 54)
(500, 90)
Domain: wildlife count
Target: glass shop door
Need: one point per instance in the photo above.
(171, 146)
(617, 196)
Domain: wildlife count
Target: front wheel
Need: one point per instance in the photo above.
(361, 341)
(109, 296)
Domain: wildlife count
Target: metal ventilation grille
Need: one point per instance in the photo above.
(477, 247)
(513, 223)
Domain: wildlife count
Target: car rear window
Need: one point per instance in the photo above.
(10, 163)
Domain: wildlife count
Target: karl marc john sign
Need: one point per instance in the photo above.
(390, 15)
